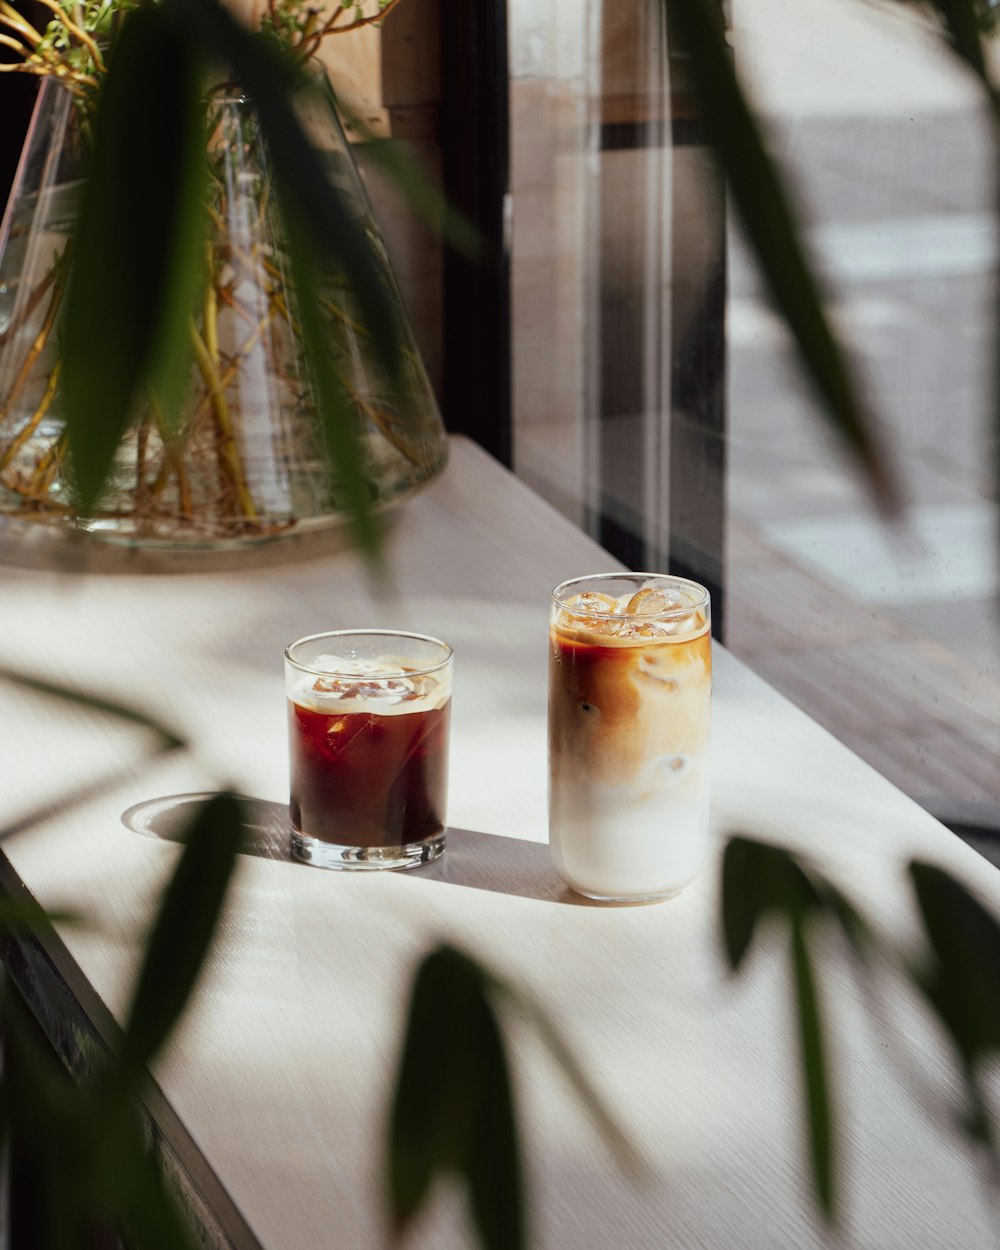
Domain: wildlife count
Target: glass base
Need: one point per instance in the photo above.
(628, 898)
(364, 858)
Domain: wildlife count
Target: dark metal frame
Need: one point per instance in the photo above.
(475, 131)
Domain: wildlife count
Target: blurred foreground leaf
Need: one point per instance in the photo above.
(773, 234)
(92, 1165)
(22, 917)
(336, 412)
(90, 1168)
(961, 20)
(766, 882)
(136, 266)
(271, 81)
(453, 1108)
(960, 977)
(814, 1068)
(182, 933)
(423, 196)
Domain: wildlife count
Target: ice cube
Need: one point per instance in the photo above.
(636, 629)
(344, 666)
(593, 601)
(590, 601)
(387, 690)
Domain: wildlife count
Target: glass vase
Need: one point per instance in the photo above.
(247, 462)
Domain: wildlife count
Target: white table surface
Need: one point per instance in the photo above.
(280, 1073)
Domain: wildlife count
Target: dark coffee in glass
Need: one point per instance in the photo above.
(368, 716)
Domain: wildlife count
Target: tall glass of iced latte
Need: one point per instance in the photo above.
(630, 676)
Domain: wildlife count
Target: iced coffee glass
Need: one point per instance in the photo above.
(368, 715)
(630, 675)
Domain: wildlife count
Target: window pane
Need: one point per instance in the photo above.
(627, 277)
(890, 638)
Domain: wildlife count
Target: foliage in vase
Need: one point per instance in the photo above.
(230, 390)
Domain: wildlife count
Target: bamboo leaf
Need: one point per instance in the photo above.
(169, 362)
(335, 410)
(817, 1095)
(27, 917)
(140, 1202)
(962, 978)
(423, 196)
(961, 21)
(759, 881)
(40, 1111)
(182, 934)
(765, 207)
(270, 80)
(91, 1163)
(453, 1105)
(130, 282)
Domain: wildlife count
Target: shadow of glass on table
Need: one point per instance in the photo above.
(479, 861)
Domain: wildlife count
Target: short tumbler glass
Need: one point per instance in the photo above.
(368, 717)
(630, 675)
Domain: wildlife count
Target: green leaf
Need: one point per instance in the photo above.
(25, 916)
(168, 740)
(961, 21)
(182, 934)
(453, 1106)
(962, 979)
(132, 281)
(423, 196)
(169, 364)
(92, 1166)
(818, 1110)
(40, 1111)
(765, 207)
(758, 881)
(336, 412)
(271, 81)
(140, 1201)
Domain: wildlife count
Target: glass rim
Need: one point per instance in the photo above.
(702, 599)
(423, 671)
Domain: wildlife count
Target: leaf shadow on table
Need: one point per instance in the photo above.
(478, 861)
